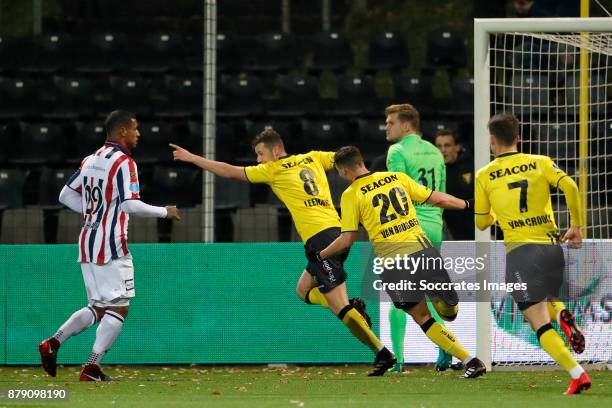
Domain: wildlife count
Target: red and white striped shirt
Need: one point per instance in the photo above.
(105, 179)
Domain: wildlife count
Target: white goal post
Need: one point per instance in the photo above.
(486, 103)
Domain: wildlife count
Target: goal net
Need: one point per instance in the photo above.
(558, 82)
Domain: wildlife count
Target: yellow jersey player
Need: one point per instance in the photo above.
(382, 203)
(300, 182)
(515, 187)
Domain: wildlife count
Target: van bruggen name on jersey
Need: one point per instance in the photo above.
(511, 170)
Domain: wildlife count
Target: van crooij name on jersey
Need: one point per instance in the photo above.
(530, 222)
(511, 170)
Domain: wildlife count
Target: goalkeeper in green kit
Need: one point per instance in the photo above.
(424, 163)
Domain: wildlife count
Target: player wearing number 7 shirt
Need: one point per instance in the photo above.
(105, 191)
(300, 183)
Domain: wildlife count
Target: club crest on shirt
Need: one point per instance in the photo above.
(134, 187)
(467, 177)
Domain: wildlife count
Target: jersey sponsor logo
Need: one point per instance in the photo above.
(378, 183)
(305, 160)
(531, 221)
(522, 168)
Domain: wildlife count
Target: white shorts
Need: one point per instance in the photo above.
(111, 284)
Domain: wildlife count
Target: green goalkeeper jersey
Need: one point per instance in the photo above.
(423, 162)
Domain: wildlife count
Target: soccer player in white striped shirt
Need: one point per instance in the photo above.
(105, 191)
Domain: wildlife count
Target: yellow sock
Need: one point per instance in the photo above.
(554, 308)
(444, 338)
(554, 345)
(360, 329)
(315, 297)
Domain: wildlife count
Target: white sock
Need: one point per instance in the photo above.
(576, 372)
(467, 359)
(108, 330)
(79, 321)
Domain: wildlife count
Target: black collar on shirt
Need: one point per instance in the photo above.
(119, 146)
(364, 175)
(507, 154)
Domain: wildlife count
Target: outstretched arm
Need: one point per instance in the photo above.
(340, 244)
(216, 167)
(447, 201)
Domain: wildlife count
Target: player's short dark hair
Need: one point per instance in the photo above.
(448, 132)
(348, 156)
(269, 137)
(405, 113)
(117, 119)
(504, 127)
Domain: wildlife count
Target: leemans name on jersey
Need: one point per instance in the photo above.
(299, 181)
(105, 180)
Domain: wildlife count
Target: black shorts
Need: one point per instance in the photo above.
(431, 273)
(329, 273)
(540, 268)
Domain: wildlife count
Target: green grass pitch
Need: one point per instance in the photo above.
(314, 386)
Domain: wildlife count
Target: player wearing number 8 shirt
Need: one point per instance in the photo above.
(299, 181)
(105, 191)
(382, 203)
(515, 189)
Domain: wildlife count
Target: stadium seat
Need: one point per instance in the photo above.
(141, 229)
(272, 52)
(556, 140)
(40, 143)
(298, 95)
(153, 144)
(225, 142)
(417, 91)
(102, 53)
(323, 134)
(51, 53)
(241, 96)
(183, 97)
(446, 49)
(51, 183)
(388, 50)
(193, 140)
(530, 93)
(132, 93)
(5, 144)
(12, 51)
(463, 95)
(68, 226)
(524, 54)
(17, 95)
(430, 128)
(89, 137)
(371, 137)
(156, 52)
(356, 96)
(230, 53)
(22, 226)
(331, 50)
(230, 194)
(12, 182)
(72, 97)
(179, 185)
(259, 224)
(567, 92)
(189, 228)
